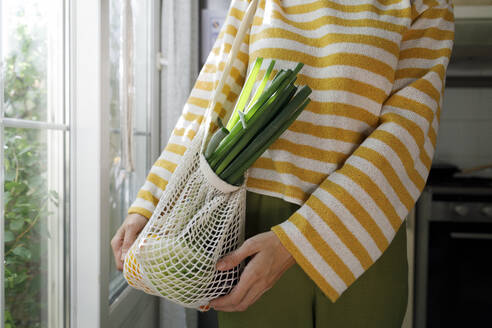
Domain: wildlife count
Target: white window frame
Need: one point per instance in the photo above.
(86, 165)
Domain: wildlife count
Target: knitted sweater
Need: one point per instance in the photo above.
(358, 157)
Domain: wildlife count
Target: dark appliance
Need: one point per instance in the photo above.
(453, 244)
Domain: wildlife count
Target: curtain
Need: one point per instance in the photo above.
(179, 60)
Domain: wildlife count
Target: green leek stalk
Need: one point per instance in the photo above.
(238, 176)
(291, 77)
(238, 131)
(253, 128)
(259, 90)
(281, 81)
(245, 93)
(277, 122)
(217, 137)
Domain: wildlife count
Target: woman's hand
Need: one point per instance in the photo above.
(270, 260)
(125, 236)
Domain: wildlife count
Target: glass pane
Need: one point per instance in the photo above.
(125, 181)
(142, 64)
(32, 41)
(33, 189)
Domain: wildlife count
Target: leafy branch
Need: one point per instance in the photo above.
(27, 197)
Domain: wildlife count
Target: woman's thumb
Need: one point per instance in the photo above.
(130, 236)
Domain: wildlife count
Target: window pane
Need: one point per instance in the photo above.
(33, 212)
(125, 180)
(118, 178)
(32, 35)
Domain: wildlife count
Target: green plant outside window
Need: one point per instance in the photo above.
(26, 197)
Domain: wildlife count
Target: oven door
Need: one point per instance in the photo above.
(459, 289)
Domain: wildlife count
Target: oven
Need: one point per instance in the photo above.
(453, 264)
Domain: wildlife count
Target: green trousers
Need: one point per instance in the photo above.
(378, 298)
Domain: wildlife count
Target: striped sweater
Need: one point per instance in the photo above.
(357, 158)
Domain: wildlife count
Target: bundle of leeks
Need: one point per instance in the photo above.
(252, 128)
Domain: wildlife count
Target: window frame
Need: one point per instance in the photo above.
(87, 192)
(90, 170)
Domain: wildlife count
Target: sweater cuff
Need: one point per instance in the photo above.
(139, 210)
(292, 239)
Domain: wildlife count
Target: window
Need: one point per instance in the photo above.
(33, 159)
(64, 183)
(101, 185)
(132, 133)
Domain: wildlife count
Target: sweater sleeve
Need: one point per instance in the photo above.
(194, 109)
(350, 219)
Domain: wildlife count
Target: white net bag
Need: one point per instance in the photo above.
(199, 219)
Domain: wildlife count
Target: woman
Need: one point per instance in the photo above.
(325, 240)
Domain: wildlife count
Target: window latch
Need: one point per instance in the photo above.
(161, 61)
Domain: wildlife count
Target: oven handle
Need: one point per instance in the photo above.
(464, 235)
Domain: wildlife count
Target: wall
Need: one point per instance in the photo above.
(465, 133)
(472, 2)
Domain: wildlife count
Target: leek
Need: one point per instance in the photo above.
(251, 131)
(245, 93)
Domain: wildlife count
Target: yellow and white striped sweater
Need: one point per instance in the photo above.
(358, 157)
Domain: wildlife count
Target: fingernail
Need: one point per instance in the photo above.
(221, 265)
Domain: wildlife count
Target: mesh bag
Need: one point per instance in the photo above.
(199, 219)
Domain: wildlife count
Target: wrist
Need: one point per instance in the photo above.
(286, 256)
